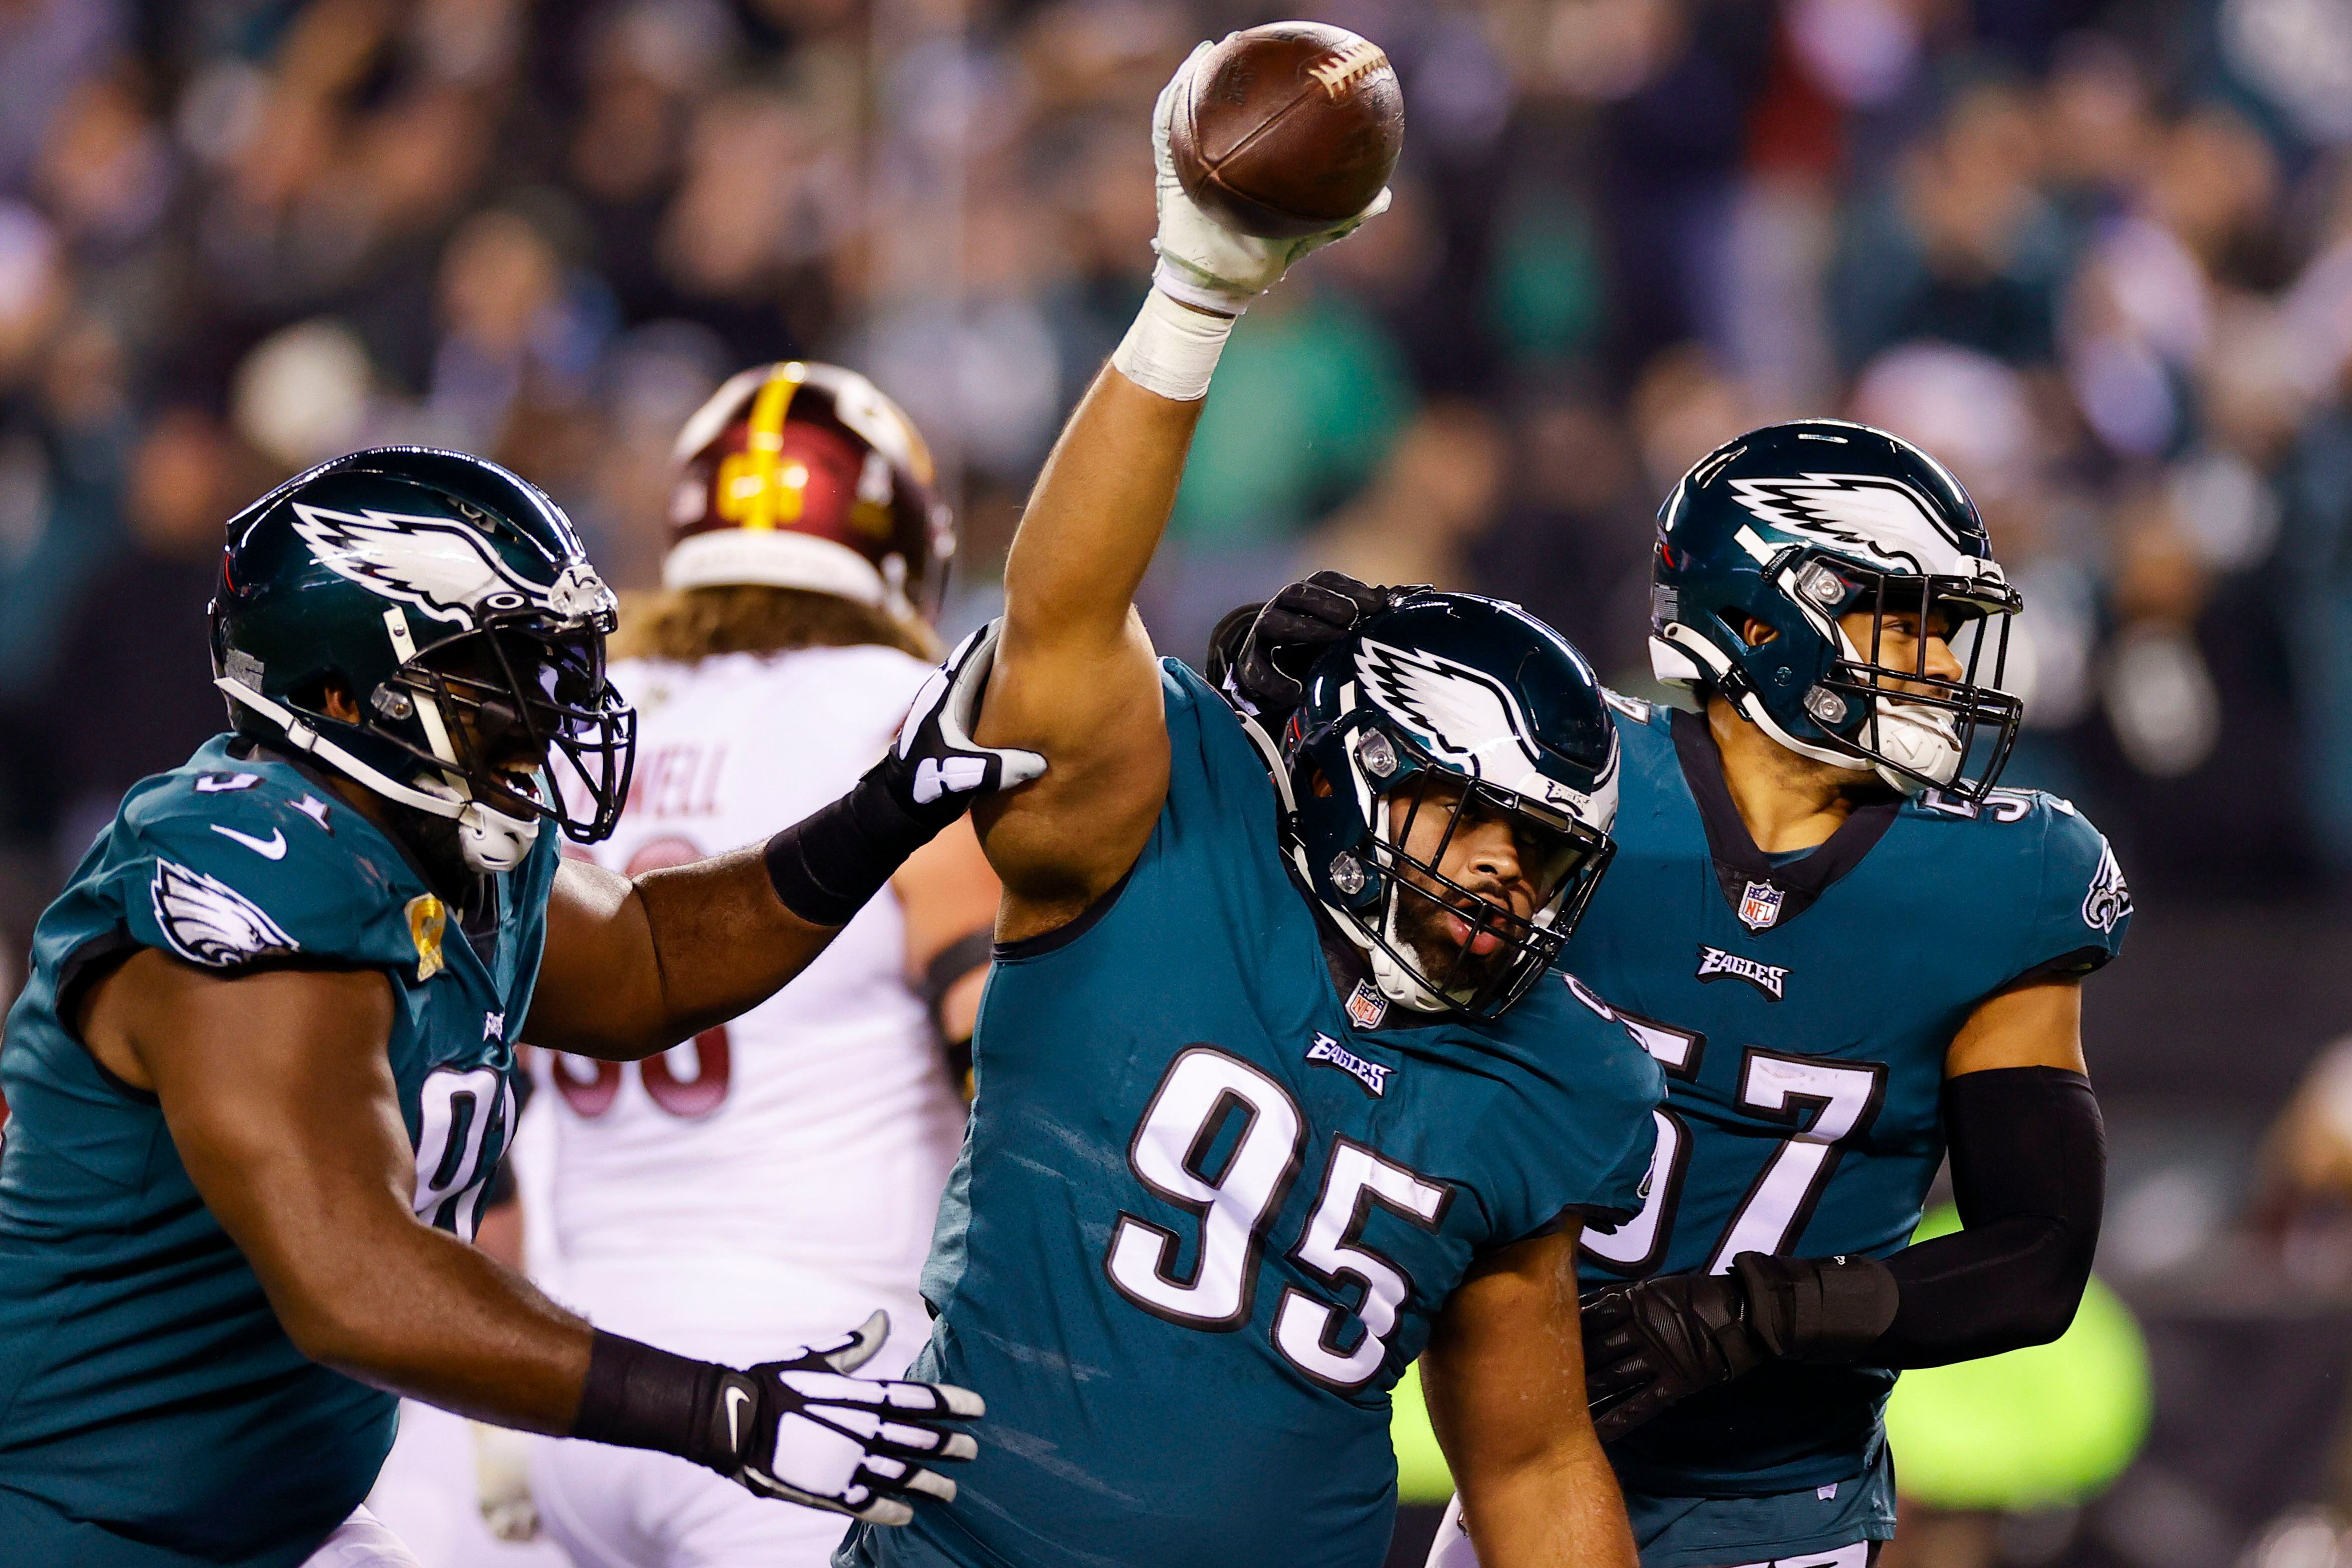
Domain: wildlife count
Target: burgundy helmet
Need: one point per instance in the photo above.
(800, 474)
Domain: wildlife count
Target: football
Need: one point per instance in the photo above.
(1289, 128)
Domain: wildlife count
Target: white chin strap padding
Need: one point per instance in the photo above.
(1913, 736)
(492, 841)
(1921, 738)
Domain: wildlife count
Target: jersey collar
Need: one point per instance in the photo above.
(1740, 866)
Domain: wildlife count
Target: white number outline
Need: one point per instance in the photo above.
(458, 1110)
(1829, 1129)
(1143, 1251)
(1303, 1326)
(1678, 1052)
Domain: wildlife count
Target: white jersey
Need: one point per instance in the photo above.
(809, 1137)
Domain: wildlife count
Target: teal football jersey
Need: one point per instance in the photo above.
(151, 1410)
(1203, 1220)
(1801, 1008)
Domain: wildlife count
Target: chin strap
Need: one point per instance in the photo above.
(1901, 728)
(492, 841)
(1395, 981)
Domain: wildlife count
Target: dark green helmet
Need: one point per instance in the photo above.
(1445, 710)
(1795, 527)
(449, 602)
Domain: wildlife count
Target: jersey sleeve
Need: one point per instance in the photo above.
(2082, 905)
(1585, 1152)
(244, 876)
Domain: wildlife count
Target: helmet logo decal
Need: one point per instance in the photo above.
(441, 567)
(1881, 519)
(1465, 716)
(209, 922)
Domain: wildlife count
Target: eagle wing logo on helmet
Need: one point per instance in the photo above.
(1465, 717)
(1882, 520)
(210, 923)
(441, 566)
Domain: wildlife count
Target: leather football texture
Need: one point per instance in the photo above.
(1291, 128)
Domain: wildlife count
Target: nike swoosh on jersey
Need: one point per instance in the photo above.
(270, 848)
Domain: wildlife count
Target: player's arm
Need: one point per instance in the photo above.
(948, 896)
(1075, 680)
(2029, 1173)
(633, 966)
(279, 1095)
(1504, 1374)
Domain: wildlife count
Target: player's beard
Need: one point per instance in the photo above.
(1428, 928)
(436, 844)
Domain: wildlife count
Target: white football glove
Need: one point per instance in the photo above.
(1202, 262)
(802, 1430)
(937, 770)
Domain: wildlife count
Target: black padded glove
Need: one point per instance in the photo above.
(1648, 1344)
(1259, 654)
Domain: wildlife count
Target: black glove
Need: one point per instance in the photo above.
(1651, 1343)
(805, 1431)
(1259, 654)
(826, 865)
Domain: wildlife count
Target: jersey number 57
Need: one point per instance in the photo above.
(1179, 1143)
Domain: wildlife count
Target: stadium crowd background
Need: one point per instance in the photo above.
(2097, 256)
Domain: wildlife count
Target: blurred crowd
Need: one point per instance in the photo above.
(2096, 256)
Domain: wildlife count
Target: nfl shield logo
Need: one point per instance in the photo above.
(1366, 1006)
(1760, 907)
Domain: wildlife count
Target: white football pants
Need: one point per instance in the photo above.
(630, 1508)
(362, 1542)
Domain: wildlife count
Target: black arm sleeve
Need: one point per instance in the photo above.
(2029, 1169)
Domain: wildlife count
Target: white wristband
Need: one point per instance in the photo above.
(1172, 349)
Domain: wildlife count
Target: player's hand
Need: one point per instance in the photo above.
(1202, 262)
(1260, 654)
(936, 771)
(1651, 1343)
(1655, 1342)
(805, 1431)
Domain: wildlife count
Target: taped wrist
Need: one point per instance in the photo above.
(1817, 1308)
(827, 865)
(637, 1396)
(1172, 349)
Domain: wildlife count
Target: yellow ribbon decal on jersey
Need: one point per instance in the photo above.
(427, 919)
(757, 489)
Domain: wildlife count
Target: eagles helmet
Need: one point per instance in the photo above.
(1801, 524)
(1496, 709)
(450, 600)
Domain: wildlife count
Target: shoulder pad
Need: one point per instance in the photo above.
(232, 867)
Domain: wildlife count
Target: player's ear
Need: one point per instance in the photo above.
(1756, 634)
(1318, 785)
(335, 701)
